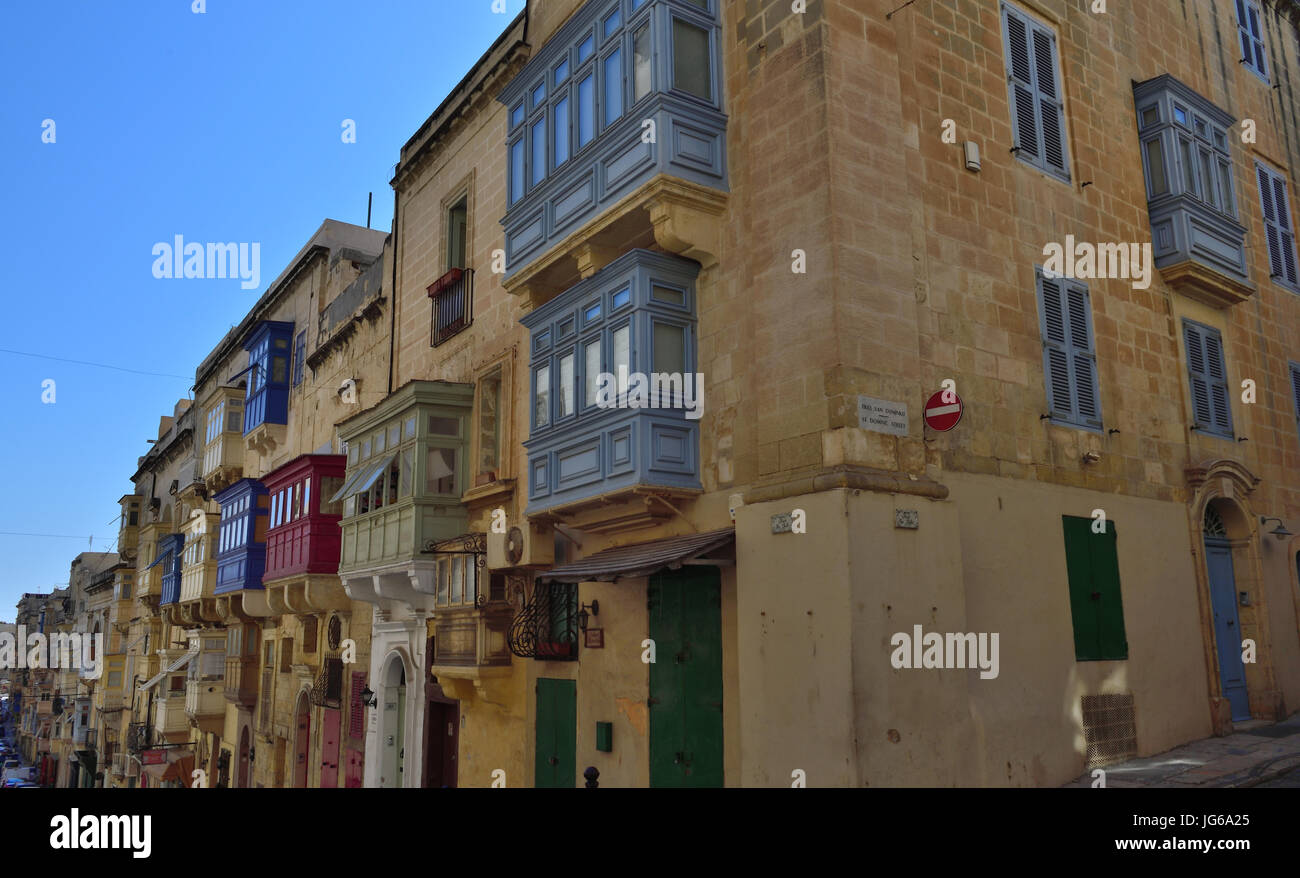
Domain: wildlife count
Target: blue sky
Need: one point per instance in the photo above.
(222, 126)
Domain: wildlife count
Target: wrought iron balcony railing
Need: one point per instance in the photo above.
(453, 304)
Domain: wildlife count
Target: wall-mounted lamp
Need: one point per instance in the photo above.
(594, 606)
(1280, 531)
(368, 698)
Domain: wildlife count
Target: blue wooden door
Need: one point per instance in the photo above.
(1227, 631)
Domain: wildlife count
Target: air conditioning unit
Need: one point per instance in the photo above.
(528, 546)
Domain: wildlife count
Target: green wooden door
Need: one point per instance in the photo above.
(557, 734)
(686, 679)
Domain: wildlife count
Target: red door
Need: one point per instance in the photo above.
(329, 750)
(300, 749)
(356, 768)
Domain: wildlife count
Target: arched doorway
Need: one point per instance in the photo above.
(302, 740)
(1226, 624)
(392, 730)
(241, 765)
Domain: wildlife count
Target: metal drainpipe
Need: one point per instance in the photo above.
(392, 305)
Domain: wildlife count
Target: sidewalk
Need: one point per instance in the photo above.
(1250, 756)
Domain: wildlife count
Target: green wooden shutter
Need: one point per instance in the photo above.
(1096, 605)
(1083, 357)
(1112, 643)
(1078, 566)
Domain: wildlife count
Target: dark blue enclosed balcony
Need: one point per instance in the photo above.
(169, 559)
(241, 546)
(266, 399)
(1198, 241)
(596, 428)
(625, 91)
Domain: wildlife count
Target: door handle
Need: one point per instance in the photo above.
(677, 758)
(1096, 595)
(1230, 623)
(553, 760)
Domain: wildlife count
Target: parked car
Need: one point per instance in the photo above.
(14, 769)
(15, 783)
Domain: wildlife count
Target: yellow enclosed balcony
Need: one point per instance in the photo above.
(223, 446)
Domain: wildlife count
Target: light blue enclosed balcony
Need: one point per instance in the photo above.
(1198, 241)
(625, 93)
(615, 401)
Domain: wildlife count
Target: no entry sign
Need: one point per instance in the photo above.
(943, 411)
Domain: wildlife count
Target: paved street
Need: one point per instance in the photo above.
(1264, 754)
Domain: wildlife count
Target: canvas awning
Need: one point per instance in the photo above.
(172, 668)
(641, 559)
(364, 477)
(179, 766)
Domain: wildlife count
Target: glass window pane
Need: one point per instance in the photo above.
(613, 86)
(409, 432)
(586, 111)
(1150, 116)
(517, 115)
(538, 136)
(1225, 188)
(592, 373)
(380, 441)
(1207, 175)
(279, 370)
(692, 66)
(1189, 169)
(444, 426)
(408, 461)
(394, 473)
(592, 312)
(566, 385)
(622, 357)
(561, 132)
(444, 565)
(306, 497)
(562, 71)
(441, 471)
(539, 93)
(641, 62)
(670, 348)
(1156, 166)
(622, 297)
(394, 435)
(612, 21)
(585, 49)
(668, 295)
(457, 578)
(542, 397)
(516, 170)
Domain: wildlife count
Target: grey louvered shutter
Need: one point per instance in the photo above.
(1250, 30)
(1277, 226)
(1034, 90)
(1051, 107)
(1208, 379)
(1083, 356)
(1218, 382)
(1020, 75)
(1056, 348)
(1295, 389)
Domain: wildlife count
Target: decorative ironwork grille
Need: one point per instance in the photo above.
(328, 688)
(137, 737)
(1214, 526)
(547, 626)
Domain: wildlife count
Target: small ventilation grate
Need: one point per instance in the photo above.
(1109, 731)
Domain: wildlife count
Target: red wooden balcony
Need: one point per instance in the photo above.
(303, 536)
